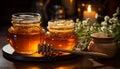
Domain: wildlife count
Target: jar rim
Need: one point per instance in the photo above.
(26, 17)
(61, 24)
(102, 35)
(26, 13)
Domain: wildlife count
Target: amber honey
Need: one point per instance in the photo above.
(25, 43)
(61, 35)
(26, 33)
(67, 43)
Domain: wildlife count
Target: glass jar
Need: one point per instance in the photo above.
(61, 34)
(26, 33)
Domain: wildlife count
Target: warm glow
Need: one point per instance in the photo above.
(89, 13)
(61, 11)
(71, 1)
(78, 9)
(89, 8)
(83, 4)
(41, 4)
(66, 67)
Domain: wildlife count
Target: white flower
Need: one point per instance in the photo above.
(114, 26)
(91, 28)
(96, 16)
(115, 14)
(87, 29)
(85, 23)
(113, 20)
(77, 20)
(104, 29)
(106, 18)
(110, 27)
(104, 23)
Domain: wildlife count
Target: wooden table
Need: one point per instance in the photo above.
(80, 62)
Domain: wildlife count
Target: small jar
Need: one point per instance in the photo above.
(103, 44)
(61, 34)
(26, 33)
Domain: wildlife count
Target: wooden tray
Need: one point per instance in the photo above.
(9, 53)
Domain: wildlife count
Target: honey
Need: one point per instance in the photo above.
(26, 33)
(61, 34)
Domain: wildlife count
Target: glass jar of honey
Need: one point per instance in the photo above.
(61, 34)
(26, 33)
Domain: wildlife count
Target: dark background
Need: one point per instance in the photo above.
(9, 7)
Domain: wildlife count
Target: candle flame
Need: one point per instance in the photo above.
(89, 8)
